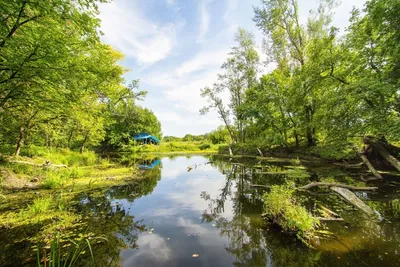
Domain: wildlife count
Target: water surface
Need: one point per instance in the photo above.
(209, 215)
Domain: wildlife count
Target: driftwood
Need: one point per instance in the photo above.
(353, 199)
(46, 164)
(306, 187)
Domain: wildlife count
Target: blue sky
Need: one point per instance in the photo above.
(176, 47)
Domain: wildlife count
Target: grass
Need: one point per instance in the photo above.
(40, 206)
(65, 254)
(168, 147)
(283, 209)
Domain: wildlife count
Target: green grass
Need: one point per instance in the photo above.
(282, 208)
(40, 206)
(65, 253)
(168, 147)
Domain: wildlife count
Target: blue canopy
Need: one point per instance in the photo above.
(146, 138)
(149, 166)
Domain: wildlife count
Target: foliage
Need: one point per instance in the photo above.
(239, 74)
(325, 90)
(59, 85)
(176, 146)
(282, 208)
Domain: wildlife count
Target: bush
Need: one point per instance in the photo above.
(204, 146)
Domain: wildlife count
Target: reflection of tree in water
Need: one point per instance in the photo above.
(254, 243)
(99, 216)
(249, 240)
(243, 229)
(112, 222)
(107, 218)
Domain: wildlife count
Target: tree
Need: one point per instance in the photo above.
(293, 46)
(239, 74)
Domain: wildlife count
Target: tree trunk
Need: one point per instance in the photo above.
(83, 143)
(20, 141)
(69, 139)
(369, 165)
(296, 136)
(310, 131)
(386, 155)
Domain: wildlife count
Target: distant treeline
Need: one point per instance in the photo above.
(218, 136)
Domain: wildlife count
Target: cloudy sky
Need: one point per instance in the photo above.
(176, 47)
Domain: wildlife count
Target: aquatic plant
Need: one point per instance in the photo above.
(284, 210)
(65, 254)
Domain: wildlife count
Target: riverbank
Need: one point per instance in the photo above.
(61, 200)
(61, 169)
(332, 153)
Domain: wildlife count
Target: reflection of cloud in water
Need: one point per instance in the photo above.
(191, 227)
(193, 186)
(152, 249)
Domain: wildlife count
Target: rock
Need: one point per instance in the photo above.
(34, 180)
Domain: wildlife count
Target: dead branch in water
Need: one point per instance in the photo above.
(306, 187)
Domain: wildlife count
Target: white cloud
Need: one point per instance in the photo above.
(204, 59)
(152, 247)
(168, 116)
(127, 30)
(171, 2)
(204, 21)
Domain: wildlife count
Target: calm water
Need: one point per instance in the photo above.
(211, 211)
(210, 216)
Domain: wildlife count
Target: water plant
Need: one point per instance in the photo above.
(283, 209)
(65, 254)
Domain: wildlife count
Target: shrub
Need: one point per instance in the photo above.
(204, 146)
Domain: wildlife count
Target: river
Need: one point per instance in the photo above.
(201, 211)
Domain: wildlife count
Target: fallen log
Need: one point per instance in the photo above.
(306, 187)
(352, 199)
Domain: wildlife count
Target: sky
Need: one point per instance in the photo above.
(176, 47)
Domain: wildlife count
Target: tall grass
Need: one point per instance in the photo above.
(61, 254)
(40, 206)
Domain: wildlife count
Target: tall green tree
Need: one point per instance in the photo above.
(239, 74)
(294, 47)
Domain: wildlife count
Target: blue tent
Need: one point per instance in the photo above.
(149, 166)
(146, 138)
